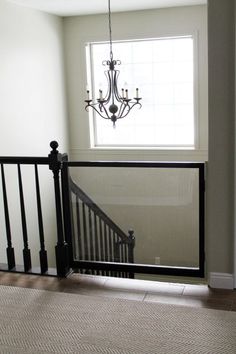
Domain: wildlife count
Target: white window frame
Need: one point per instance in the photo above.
(92, 118)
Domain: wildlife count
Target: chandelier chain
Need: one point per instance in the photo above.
(110, 31)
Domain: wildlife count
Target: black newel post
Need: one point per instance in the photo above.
(131, 246)
(62, 254)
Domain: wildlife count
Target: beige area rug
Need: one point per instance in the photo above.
(38, 321)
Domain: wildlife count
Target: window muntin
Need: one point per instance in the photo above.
(163, 69)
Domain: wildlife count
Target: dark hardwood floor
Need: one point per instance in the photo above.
(132, 289)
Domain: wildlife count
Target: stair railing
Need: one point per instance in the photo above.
(87, 238)
(18, 163)
(19, 202)
(97, 236)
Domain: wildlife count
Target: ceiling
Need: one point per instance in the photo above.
(86, 7)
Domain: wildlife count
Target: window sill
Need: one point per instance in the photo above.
(144, 154)
(143, 148)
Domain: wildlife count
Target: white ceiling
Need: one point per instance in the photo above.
(86, 7)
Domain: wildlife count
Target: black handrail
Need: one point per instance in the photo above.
(24, 160)
(136, 164)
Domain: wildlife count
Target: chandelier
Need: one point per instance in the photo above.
(113, 105)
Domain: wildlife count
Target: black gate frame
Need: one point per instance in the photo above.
(128, 267)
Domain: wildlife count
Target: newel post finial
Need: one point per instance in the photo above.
(55, 158)
(54, 145)
(131, 237)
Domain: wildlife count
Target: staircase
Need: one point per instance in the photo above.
(96, 237)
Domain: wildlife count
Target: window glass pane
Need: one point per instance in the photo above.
(163, 71)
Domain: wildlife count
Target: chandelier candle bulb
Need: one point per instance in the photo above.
(137, 93)
(100, 94)
(123, 93)
(126, 94)
(88, 95)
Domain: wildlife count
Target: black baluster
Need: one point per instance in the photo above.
(110, 249)
(62, 252)
(131, 246)
(10, 250)
(91, 243)
(74, 240)
(78, 229)
(109, 254)
(125, 257)
(96, 246)
(114, 247)
(101, 243)
(96, 238)
(122, 256)
(117, 253)
(26, 250)
(106, 246)
(105, 242)
(122, 251)
(117, 250)
(125, 253)
(42, 253)
(86, 253)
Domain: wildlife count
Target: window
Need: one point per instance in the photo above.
(163, 69)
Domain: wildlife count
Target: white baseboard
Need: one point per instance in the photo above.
(221, 280)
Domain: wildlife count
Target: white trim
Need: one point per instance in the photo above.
(221, 280)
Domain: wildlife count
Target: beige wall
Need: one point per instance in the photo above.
(160, 22)
(32, 110)
(220, 172)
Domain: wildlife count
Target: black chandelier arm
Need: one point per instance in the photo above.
(129, 108)
(112, 83)
(123, 106)
(124, 109)
(103, 109)
(108, 94)
(111, 63)
(116, 92)
(112, 80)
(106, 62)
(93, 105)
(120, 110)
